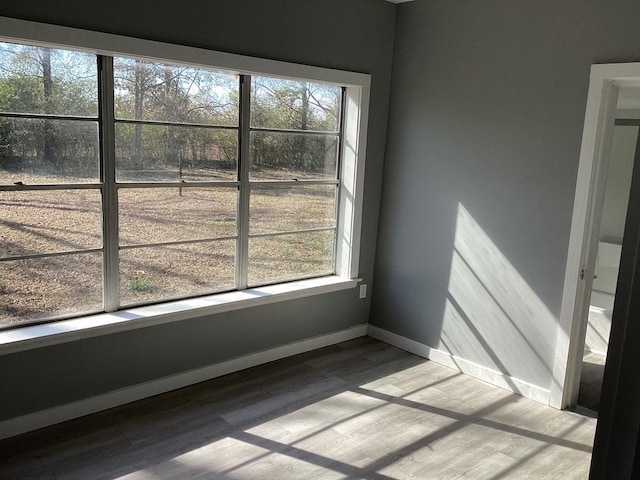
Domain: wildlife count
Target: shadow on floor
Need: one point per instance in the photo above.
(360, 409)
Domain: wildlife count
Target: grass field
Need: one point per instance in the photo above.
(54, 221)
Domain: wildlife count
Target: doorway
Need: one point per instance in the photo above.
(621, 157)
(614, 94)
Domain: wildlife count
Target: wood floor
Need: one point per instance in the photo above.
(591, 381)
(361, 409)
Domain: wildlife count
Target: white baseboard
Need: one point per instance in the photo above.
(80, 408)
(486, 374)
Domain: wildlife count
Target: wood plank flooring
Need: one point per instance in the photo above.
(591, 381)
(360, 409)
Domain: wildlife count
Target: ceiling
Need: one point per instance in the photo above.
(399, 1)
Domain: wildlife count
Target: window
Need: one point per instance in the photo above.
(175, 132)
(126, 180)
(50, 199)
(294, 137)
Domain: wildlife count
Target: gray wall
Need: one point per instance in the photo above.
(616, 195)
(323, 33)
(614, 211)
(487, 109)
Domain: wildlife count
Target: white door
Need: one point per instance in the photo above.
(607, 81)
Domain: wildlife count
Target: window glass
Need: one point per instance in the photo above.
(45, 80)
(155, 153)
(49, 221)
(155, 215)
(162, 272)
(287, 257)
(289, 156)
(169, 128)
(293, 104)
(174, 93)
(48, 135)
(33, 151)
(36, 288)
(283, 209)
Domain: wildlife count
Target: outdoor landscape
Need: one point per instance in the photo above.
(176, 138)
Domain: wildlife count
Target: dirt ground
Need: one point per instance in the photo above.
(54, 221)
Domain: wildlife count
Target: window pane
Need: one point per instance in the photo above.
(287, 156)
(48, 151)
(44, 287)
(287, 257)
(293, 104)
(155, 273)
(152, 215)
(47, 80)
(49, 221)
(281, 209)
(174, 93)
(151, 153)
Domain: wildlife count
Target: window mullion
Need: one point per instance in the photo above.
(242, 249)
(339, 186)
(109, 192)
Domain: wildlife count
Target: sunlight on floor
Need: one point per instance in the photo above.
(346, 434)
(361, 409)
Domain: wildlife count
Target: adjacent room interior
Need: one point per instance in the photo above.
(624, 148)
(408, 319)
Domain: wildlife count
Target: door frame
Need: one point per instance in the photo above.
(605, 82)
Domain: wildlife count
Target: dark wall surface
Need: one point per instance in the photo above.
(487, 110)
(355, 35)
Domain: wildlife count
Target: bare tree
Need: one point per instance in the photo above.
(49, 147)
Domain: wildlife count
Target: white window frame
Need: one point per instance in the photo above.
(351, 176)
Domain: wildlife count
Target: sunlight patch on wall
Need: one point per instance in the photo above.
(492, 316)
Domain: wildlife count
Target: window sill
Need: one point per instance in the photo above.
(53, 333)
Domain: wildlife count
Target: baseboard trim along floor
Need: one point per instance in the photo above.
(80, 408)
(486, 374)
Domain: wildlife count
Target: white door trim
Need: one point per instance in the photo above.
(605, 81)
